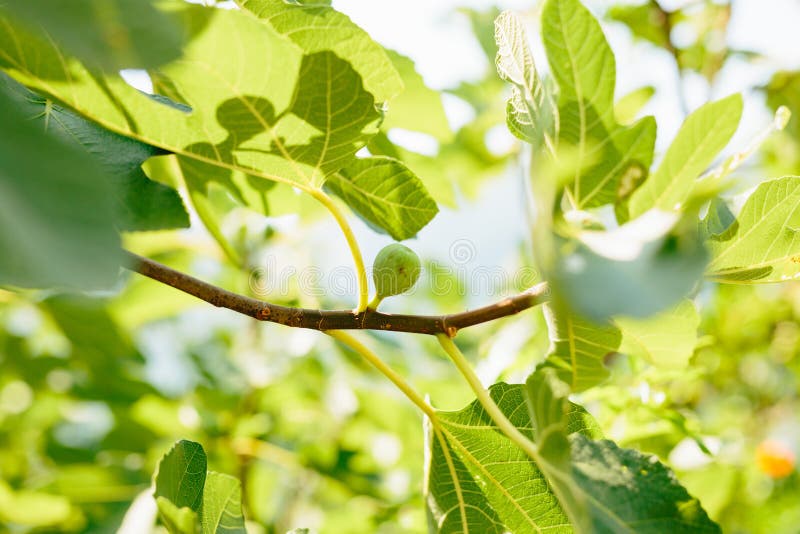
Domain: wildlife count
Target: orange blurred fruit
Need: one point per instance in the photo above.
(775, 458)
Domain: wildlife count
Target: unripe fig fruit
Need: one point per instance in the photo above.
(396, 270)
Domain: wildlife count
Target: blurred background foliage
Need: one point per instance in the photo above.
(95, 389)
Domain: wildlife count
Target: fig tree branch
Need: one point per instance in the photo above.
(324, 320)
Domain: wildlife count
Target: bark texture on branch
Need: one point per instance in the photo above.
(336, 319)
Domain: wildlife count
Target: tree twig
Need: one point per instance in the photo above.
(336, 319)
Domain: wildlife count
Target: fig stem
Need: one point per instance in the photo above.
(374, 303)
(352, 243)
(387, 371)
(482, 394)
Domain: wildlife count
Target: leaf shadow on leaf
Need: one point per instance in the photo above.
(314, 106)
(743, 275)
(233, 115)
(248, 117)
(727, 234)
(570, 113)
(612, 161)
(721, 219)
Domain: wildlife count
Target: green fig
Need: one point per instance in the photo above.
(395, 271)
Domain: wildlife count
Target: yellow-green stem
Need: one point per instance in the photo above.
(439, 432)
(209, 221)
(486, 401)
(499, 418)
(355, 251)
(199, 203)
(387, 371)
(374, 303)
